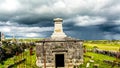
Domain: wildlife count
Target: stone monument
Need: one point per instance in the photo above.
(59, 51)
(0, 36)
(58, 30)
(0, 39)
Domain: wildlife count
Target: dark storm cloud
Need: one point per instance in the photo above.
(88, 19)
(85, 32)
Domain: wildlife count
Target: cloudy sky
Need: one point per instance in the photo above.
(83, 19)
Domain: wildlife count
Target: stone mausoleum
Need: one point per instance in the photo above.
(59, 51)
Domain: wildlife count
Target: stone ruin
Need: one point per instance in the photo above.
(59, 51)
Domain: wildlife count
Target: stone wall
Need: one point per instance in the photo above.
(73, 53)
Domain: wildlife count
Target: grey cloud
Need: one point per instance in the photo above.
(40, 13)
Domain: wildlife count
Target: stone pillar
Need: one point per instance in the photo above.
(2, 37)
(58, 29)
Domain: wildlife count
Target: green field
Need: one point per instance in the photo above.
(106, 46)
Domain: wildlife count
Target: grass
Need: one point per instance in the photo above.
(111, 47)
(29, 63)
(98, 59)
(27, 39)
(31, 60)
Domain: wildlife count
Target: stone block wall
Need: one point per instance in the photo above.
(73, 53)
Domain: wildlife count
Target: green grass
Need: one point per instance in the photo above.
(112, 47)
(31, 39)
(27, 39)
(31, 60)
(29, 63)
(98, 59)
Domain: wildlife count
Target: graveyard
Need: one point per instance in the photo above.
(95, 59)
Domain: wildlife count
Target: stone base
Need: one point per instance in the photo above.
(58, 35)
(48, 65)
(51, 65)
